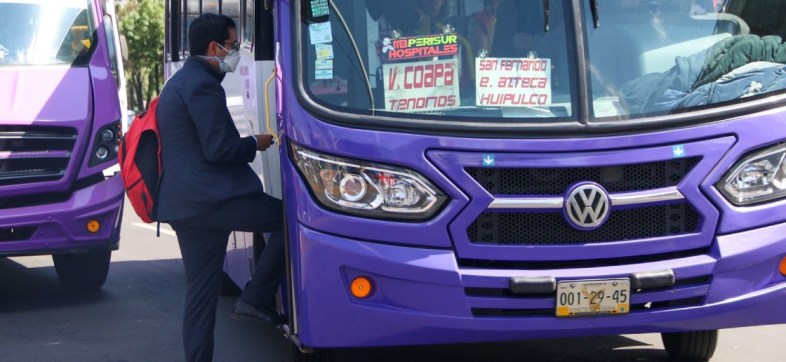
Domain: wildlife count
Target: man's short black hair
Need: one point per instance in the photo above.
(207, 28)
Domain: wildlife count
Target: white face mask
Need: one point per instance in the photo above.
(229, 63)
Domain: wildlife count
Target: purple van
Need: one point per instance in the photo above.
(60, 122)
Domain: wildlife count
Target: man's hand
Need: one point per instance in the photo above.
(263, 141)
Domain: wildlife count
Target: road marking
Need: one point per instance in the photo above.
(153, 227)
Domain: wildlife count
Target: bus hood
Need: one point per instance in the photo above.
(57, 95)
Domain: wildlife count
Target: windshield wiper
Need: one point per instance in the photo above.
(595, 16)
(546, 13)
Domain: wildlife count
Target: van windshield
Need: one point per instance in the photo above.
(486, 59)
(45, 32)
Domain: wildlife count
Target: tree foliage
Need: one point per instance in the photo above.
(142, 24)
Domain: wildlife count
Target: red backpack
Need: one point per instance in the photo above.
(139, 155)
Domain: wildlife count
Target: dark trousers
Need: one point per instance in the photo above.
(203, 244)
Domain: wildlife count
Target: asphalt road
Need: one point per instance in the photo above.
(137, 316)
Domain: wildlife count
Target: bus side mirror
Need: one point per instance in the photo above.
(123, 48)
(315, 11)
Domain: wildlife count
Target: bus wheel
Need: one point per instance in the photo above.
(690, 346)
(83, 271)
(316, 355)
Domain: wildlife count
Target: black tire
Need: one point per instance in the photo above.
(228, 288)
(316, 355)
(690, 346)
(83, 271)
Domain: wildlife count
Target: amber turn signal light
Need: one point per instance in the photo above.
(361, 287)
(93, 226)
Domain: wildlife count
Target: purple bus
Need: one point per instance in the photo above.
(61, 106)
(459, 171)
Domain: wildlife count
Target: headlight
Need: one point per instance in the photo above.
(106, 142)
(367, 189)
(756, 178)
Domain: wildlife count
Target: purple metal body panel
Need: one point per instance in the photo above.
(79, 100)
(710, 152)
(61, 227)
(106, 102)
(420, 295)
(53, 96)
(422, 292)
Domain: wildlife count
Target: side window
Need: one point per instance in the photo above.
(175, 43)
(248, 33)
(231, 8)
(210, 6)
(191, 12)
(78, 39)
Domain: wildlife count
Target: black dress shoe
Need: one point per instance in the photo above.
(245, 311)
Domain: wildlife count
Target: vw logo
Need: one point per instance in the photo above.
(586, 206)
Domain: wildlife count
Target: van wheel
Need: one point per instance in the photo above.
(82, 271)
(316, 355)
(690, 346)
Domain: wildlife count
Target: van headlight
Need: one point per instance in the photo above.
(367, 189)
(758, 177)
(105, 143)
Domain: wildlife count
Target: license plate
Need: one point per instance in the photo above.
(593, 297)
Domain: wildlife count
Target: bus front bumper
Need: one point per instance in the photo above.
(420, 295)
(62, 227)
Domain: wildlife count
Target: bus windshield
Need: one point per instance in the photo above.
(45, 32)
(486, 59)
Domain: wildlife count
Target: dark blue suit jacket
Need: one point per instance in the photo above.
(205, 160)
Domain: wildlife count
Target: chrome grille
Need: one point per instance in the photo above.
(34, 154)
(525, 208)
(554, 181)
(548, 226)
